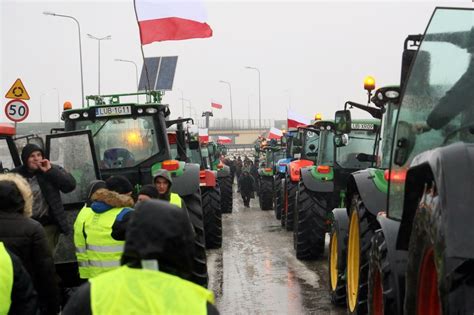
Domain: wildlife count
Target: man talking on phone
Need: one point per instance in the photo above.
(46, 181)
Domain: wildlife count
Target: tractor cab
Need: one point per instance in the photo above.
(9, 157)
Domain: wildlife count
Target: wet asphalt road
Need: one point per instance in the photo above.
(256, 271)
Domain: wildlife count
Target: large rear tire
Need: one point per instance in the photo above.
(337, 264)
(311, 218)
(193, 205)
(211, 205)
(284, 208)
(430, 287)
(361, 229)
(266, 192)
(225, 183)
(291, 200)
(278, 196)
(381, 297)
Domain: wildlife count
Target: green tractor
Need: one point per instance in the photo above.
(322, 186)
(129, 139)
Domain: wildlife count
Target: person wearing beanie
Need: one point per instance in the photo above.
(147, 192)
(156, 263)
(25, 238)
(99, 228)
(163, 184)
(47, 181)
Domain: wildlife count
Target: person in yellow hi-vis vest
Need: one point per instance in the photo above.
(157, 258)
(99, 229)
(17, 295)
(163, 184)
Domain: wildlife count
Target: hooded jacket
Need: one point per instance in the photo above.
(51, 183)
(26, 238)
(157, 231)
(166, 175)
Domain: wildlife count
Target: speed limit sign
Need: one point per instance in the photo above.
(16, 110)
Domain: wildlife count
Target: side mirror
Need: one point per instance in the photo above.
(404, 143)
(194, 145)
(363, 157)
(341, 140)
(342, 121)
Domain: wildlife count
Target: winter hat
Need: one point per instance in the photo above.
(93, 187)
(149, 190)
(28, 150)
(15, 194)
(119, 184)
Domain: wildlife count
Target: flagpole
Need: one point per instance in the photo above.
(147, 87)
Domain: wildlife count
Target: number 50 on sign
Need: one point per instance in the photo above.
(16, 110)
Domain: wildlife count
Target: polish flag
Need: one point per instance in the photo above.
(161, 20)
(216, 105)
(295, 120)
(223, 140)
(275, 133)
(203, 135)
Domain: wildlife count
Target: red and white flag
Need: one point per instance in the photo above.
(203, 135)
(161, 20)
(216, 105)
(275, 133)
(295, 120)
(223, 140)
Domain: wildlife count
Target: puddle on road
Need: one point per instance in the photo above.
(256, 271)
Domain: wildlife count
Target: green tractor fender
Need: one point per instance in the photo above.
(312, 180)
(371, 186)
(223, 172)
(450, 168)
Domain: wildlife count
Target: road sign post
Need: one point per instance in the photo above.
(16, 110)
(17, 91)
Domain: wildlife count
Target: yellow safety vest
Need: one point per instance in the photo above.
(96, 251)
(175, 199)
(140, 291)
(6, 280)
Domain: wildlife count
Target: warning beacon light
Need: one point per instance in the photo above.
(318, 116)
(369, 83)
(67, 105)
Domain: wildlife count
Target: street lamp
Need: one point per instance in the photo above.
(259, 98)
(136, 71)
(99, 39)
(182, 102)
(231, 115)
(189, 102)
(80, 47)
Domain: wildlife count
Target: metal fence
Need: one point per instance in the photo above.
(239, 124)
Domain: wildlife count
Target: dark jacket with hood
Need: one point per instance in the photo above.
(167, 196)
(157, 231)
(246, 183)
(26, 238)
(51, 183)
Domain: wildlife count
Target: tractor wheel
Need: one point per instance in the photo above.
(430, 289)
(337, 264)
(225, 183)
(284, 202)
(266, 193)
(381, 298)
(310, 227)
(291, 199)
(194, 207)
(278, 197)
(361, 229)
(211, 206)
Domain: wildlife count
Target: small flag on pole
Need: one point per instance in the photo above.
(216, 105)
(223, 140)
(161, 20)
(275, 133)
(295, 120)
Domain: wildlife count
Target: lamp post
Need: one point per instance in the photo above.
(231, 114)
(259, 98)
(182, 102)
(80, 47)
(136, 71)
(59, 108)
(189, 106)
(99, 39)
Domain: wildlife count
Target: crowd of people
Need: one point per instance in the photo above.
(132, 257)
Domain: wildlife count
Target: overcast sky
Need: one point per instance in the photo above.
(313, 55)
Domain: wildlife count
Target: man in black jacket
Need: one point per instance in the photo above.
(46, 181)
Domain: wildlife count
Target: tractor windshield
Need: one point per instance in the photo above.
(310, 147)
(360, 141)
(122, 142)
(437, 106)
(388, 125)
(326, 148)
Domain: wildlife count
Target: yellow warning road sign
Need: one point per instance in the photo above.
(17, 91)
